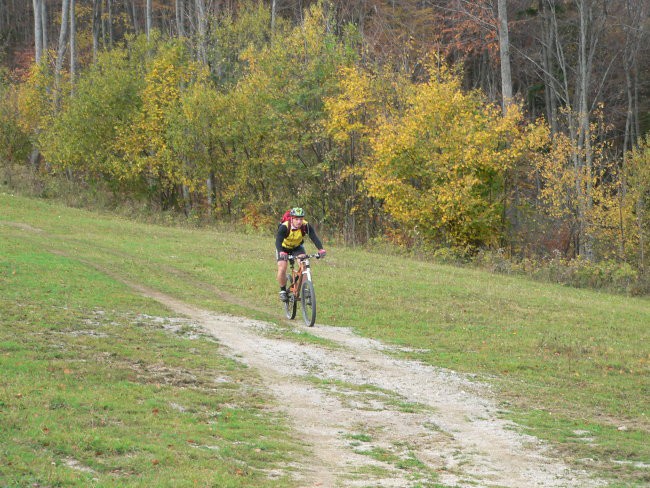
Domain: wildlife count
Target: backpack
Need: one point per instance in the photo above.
(287, 218)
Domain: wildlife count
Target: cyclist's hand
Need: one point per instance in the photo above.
(283, 256)
(321, 253)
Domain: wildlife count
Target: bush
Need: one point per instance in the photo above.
(15, 145)
(619, 277)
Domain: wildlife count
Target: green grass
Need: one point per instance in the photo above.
(99, 388)
(559, 357)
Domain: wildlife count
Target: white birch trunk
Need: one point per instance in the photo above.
(109, 21)
(149, 19)
(201, 22)
(211, 191)
(97, 19)
(38, 31)
(73, 42)
(44, 26)
(504, 52)
(63, 36)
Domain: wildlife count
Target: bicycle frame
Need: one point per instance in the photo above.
(298, 276)
(301, 289)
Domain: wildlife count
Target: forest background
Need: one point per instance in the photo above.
(509, 134)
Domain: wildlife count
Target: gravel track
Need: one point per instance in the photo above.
(374, 420)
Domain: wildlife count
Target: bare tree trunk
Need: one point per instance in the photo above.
(548, 41)
(187, 200)
(212, 192)
(38, 31)
(149, 19)
(60, 54)
(504, 52)
(97, 19)
(109, 22)
(133, 15)
(634, 35)
(273, 5)
(73, 42)
(180, 18)
(44, 26)
(34, 158)
(640, 217)
(584, 134)
(201, 22)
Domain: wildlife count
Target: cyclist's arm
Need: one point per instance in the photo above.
(283, 232)
(314, 237)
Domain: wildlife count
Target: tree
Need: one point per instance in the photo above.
(362, 100)
(144, 144)
(73, 42)
(638, 194)
(180, 17)
(84, 136)
(14, 140)
(201, 22)
(149, 19)
(38, 30)
(96, 27)
(440, 165)
(283, 148)
(504, 54)
(63, 40)
(632, 16)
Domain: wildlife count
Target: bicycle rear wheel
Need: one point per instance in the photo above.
(290, 306)
(308, 300)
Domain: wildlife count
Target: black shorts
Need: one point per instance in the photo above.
(296, 251)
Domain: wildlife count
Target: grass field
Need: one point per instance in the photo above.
(86, 363)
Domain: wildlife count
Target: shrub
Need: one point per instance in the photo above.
(610, 275)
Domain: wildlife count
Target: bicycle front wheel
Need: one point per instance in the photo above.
(308, 300)
(290, 306)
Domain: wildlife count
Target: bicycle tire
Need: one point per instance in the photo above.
(308, 301)
(290, 306)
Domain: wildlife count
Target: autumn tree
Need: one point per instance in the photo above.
(363, 99)
(14, 140)
(440, 165)
(637, 179)
(283, 148)
(82, 138)
(144, 144)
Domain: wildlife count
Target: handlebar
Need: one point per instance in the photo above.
(302, 258)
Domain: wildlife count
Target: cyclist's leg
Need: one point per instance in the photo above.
(282, 269)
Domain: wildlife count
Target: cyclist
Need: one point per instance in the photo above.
(289, 240)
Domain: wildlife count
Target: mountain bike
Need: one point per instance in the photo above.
(300, 288)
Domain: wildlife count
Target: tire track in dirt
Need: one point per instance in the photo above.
(418, 422)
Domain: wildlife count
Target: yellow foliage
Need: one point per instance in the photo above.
(582, 186)
(35, 99)
(439, 166)
(144, 144)
(346, 111)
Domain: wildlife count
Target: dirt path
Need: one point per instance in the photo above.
(373, 420)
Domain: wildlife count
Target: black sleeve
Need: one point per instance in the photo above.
(283, 232)
(314, 237)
